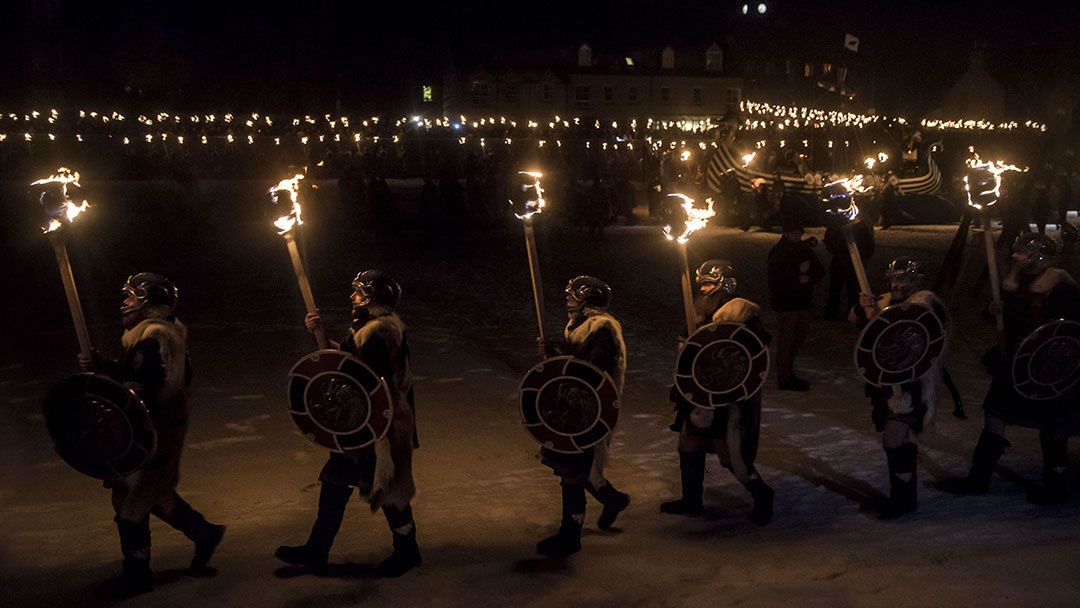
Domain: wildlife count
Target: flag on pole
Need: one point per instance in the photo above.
(851, 43)
(841, 75)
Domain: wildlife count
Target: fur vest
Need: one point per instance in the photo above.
(171, 338)
(594, 321)
(736, 310)
(393, 482)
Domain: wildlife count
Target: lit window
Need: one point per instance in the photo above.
(808, 70)
(827, 69)
(426, 93)
(629, 62)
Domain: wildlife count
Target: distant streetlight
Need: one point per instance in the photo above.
(761, 8)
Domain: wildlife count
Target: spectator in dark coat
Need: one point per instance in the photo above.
(794, 269)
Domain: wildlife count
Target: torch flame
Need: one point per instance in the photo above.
(748, 158)
(869, 162)
(532, 206)
(851, 185)
(67, 210)
(291, 186)
(986, 198)
(696, 218)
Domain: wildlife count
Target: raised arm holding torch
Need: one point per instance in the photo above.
(982, 182)
(839, 200)
(61, 212)
(693, 219)
(286, 192)
(533, 206)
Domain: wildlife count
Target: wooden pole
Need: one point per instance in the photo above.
(856, 260)
(305, 286)
(534, 272)
(687, 293)
(995, 280)
(74, 304)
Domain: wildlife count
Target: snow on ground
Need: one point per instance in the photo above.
(483, 498)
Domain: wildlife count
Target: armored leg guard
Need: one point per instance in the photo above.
(614, 502)
(692, 469)
(903, 481)
(406, 555)
(135, 546)
(1055, 460)
(763, 501)
(193, 525)
(333, 498)
(568, 539)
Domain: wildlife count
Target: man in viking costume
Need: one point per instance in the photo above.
(592, 335)
(731, 432)
(155, 365)
(903, 409)
(1034, 292)
(382, 472)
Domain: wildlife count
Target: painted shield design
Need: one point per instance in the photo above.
(339, 402)
(99, 427)
(720, 364)
(901, 344)
(1047, 362)
(568, 405)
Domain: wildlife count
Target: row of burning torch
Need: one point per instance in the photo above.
(982, 181)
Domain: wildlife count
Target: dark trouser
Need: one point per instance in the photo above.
(842, 279)
(791, 334)
(175, 511)
(333, 498)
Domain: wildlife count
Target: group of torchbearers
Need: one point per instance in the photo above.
(378, 463)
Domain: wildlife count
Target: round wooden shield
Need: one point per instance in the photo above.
(568, 405)
(339, 402)
(99, 427)
(901, 344)
(1047, 362)
(720, 364)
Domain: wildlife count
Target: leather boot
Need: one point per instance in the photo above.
(193, 525)
(614, 502)
(692, 472)
(568, 539)
(983, 462)
(135, 547)
(1055, 460)
(406, 555)
(903, 496)
(763, 501)
(333, 499)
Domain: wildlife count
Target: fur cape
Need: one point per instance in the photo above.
(736, 310)
(1043, 284)
(157, 480)
(594, 321)
(393, 481)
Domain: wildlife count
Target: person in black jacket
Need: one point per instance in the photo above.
(595, 336)
(842, 279)
(1033, 292)
(794, 269)
(732, 432)
(382, 471)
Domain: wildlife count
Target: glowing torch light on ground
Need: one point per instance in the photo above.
(287, 193)
(839, 200)
(693, 219)
(533, 206)
(982, 182)
(61, 212)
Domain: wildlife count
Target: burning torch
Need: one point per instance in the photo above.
(693, 219)
(982, 181)
(287, 192)
(533, 206)
(839, 200)
(61, 212)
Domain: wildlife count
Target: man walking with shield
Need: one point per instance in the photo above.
(1034, 380)
(900, 353)
(594, 336)
(732, 431)
(155, 365)
(381, 469)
